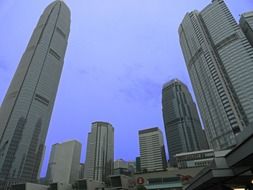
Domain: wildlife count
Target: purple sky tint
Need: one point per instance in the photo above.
(119, 55)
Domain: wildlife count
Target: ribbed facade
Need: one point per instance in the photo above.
(100, 152)
(246, 24)
(152, 150)
(219, 60)
(26, 109)
(181, 121)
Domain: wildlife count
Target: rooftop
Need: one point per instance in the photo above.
(174, 81)
(149, 130)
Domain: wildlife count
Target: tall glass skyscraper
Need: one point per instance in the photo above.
(26, 109)
(246, 23)
(100, 152)
(181, 121)
(219, 60)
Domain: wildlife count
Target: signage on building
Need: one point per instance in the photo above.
(140, 180)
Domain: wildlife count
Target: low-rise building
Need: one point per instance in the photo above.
(171, 179)
(88, 184)
(122, 167)
(60, 186)
(195, 159)
(132, 167)
(29, 186)
(120, 163)
(230, 169)
(121, 182)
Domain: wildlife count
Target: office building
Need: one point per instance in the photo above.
(87, 184)
(120, 163)
(64, 163)
(195, 159)
(227, 164)
(60, 186)
(26, 109)
(100, 152)
(29, 186)
(246, 24)
(121, 167)
(132, 167)
(206, 145)
(138, 164)
(181, 121)
(121, 182)
(171, 179)
(219, 60)
(81, 170)
(152, 150)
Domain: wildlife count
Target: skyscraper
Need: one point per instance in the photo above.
(246, 23)
(181, 121)
(219, 60)
(100, 152)
(153, 157)
(64, 163)
(26, 109)
(81, 170)
(138, 164)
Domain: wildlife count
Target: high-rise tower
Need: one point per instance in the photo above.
(219, 60)
(153, 157)
(64, 163)
(26, 109)
(246, 24)
(100, 152)
(181, 121)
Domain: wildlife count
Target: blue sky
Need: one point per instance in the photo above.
(119, 55)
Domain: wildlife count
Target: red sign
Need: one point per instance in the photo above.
(140, 180)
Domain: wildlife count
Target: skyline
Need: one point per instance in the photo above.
(128, 94)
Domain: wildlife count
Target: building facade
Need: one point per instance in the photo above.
(246, 24)
(195, 159)
(120, 163)
(81, 170)
(64, 163)
(29, 186)
(122, 167)
(100, 152)
(152, 150)
(181, 121)
(132, 167)
(219, 60)
(138, 164)
(26, 109)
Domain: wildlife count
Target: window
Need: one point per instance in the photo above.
(61, 32)
(53, 53)
(41, 99)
